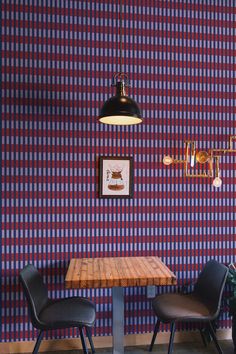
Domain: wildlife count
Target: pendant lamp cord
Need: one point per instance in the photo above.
(121, 59)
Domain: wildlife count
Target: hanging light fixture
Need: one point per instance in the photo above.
(202, 157)
(120, 109)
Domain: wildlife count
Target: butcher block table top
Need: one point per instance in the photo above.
(118, 272)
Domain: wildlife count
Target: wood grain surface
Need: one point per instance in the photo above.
(118, 271)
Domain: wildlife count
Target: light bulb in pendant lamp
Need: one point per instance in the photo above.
(120, 109)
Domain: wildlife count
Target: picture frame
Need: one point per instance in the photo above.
(115, 177)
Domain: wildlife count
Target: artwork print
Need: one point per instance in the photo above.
(116, 176)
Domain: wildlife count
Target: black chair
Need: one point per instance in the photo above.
(201, 305)
(47, 314)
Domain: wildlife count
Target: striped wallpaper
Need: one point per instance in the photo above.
(58, 59)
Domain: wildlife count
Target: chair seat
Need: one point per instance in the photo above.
(202, 305)
(68, 312)
(180, 307)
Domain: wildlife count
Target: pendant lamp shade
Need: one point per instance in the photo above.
(120, 109)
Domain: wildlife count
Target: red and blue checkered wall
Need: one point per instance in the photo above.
(58, 59)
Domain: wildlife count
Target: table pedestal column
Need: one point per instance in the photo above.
(118, 320)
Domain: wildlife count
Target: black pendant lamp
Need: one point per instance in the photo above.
(120, 109)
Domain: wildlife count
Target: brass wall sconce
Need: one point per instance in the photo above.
(210, 157)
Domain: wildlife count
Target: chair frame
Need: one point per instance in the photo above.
(208, 324)
(35, 320)
(82, 337)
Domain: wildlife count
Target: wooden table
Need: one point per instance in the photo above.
(116, 273)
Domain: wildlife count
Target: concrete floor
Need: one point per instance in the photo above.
(179, 348)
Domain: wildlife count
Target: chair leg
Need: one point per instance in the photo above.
(85, 349)
(172, 335)
(89, 335)
(213, 335)
(202, 332)
(156, 329)
(37, 344)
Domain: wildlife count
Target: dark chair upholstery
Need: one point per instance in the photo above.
(49, 314)
(201, 305)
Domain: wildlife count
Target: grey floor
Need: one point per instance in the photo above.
(179, 348)
(186, 348)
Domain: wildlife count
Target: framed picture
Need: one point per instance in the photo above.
(116, 177)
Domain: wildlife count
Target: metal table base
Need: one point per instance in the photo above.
(118, 320)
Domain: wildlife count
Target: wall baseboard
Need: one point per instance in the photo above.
(105, 342)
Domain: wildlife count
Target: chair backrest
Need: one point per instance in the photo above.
(34, 290)
(210, 285)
